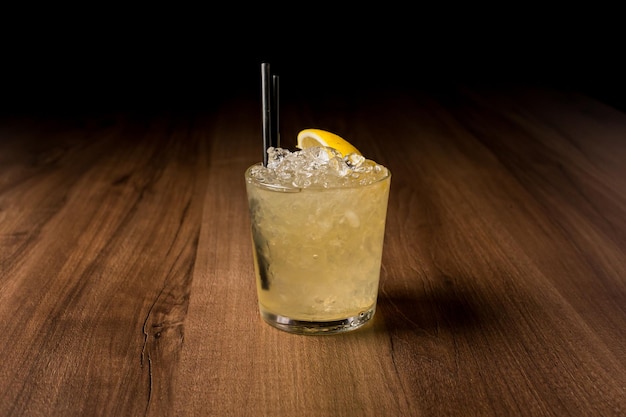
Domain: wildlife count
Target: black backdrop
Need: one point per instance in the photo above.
(115, 58)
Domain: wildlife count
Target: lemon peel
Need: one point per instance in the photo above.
(309, 138)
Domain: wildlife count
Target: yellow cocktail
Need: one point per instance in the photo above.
(318, 224)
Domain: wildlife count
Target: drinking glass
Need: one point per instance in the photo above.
(317, 253)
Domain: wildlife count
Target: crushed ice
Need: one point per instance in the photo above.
(316, 167)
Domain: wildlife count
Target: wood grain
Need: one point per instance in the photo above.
(127, 284)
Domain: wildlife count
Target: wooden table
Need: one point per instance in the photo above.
(127, 285)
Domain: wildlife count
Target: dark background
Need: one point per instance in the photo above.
(193, 59)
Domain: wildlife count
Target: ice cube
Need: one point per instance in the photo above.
(354, 160)
(316, 167)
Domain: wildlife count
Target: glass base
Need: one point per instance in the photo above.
(317, 327)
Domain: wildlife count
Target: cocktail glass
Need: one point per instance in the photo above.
(317, 253)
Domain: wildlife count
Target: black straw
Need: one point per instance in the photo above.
(266, 108)
(275, 112)
(270, 102)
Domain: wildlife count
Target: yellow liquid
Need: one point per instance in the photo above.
(318, 251)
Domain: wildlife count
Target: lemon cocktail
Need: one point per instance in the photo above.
(318, 222)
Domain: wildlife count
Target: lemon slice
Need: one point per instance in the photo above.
(309, 138)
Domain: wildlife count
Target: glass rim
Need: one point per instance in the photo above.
(284, 189)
